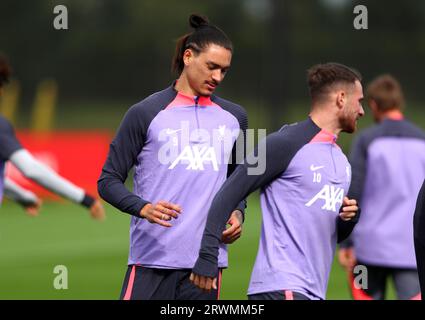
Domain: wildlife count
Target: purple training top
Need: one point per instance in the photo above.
(8, 145)
(388, 170)
(302, 190)
(180, 147)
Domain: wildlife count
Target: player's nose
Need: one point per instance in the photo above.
(217, 76)
(361, 111)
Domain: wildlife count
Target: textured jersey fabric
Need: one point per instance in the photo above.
(388, 163)
(180, 148)
(302, 190)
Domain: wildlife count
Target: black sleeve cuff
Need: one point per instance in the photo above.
(241, 207)
(347, 243)
(135, 212)
(88, 201)
(26, 203)
(357, 216)
(204, 267)
(344, 228)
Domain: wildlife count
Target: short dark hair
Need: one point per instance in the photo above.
(203, 35)
(322, 77)
(5, 70)
(386, 91)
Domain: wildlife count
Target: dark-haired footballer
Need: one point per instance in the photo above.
(388, 162)
(303, 195)
(180, 141)
(12, 150)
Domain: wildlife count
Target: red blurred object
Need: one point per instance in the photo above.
(76, 155)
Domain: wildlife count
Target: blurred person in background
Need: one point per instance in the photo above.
(26, 198)
(388, 163)
(12, 150)
(180, 141)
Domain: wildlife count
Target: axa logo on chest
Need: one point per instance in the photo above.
(184, 144)
(196, 157)
(195, 148)
(331, 196)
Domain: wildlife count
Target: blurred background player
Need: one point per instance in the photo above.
(388, 163)
(12, 150)
(26, 198)
(419, 236)
(304, 207)
(167, 137)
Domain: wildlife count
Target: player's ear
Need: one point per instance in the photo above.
(341, 98)
(187, 56)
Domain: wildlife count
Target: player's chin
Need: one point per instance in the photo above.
(208, 90)
(350, 128)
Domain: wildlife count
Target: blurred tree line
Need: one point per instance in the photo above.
(121, 50)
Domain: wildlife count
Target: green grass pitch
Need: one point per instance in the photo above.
(95, 254)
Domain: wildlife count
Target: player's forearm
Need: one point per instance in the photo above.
(234, 163)
(237, 187)
(18, 194)
(241, 206)
(49, 179)
(221, 209)
(344, 229)
(111, 184)
(419, 217)
(112, 190)
(358, 170)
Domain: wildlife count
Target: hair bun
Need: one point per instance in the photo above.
(196, 21)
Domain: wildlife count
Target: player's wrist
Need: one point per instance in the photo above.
(239, 215)
(206, 268)
(144, 210)
(87, 201)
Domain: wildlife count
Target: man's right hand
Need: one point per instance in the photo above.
(203, 282)
(97, 211)
(347, 258)
(33, 209)
(161, 212)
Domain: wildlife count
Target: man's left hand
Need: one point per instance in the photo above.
(349, 209)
